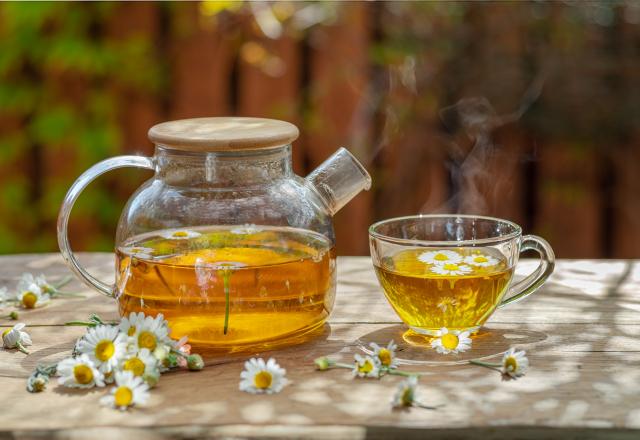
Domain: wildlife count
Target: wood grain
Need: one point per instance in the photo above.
(581, 331)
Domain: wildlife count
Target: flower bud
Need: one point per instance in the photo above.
(13, 315)
(37, 383)
(195, 362)
(322, 363)
(152, 378)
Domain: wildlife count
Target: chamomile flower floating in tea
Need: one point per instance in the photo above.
(259, 377)
(451, 269)
(451, 341)
(440, 257)
(104, 345)
(128, 391)
(480, 260)
(139, 252)
(514, 364)
(447, 303)
(181, 234)
(366, 366)
(386, 355)
(16, 338)
(79, 372)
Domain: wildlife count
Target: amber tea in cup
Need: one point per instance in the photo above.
(452, 271)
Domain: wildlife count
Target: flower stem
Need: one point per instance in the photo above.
(485, 364)
(80, 323)
(226, 274)
(402, 373)
(340, 365)
(20, 347)
(66, 280)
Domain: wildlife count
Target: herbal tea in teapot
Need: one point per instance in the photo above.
(231, 286)
(187, 244)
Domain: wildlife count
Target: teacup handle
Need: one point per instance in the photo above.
(69, 200)
(531, 283)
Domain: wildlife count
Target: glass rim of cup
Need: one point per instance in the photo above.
(517, 231)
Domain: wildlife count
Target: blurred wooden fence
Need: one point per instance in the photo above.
(584, 201)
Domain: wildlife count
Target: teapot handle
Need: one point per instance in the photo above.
(71, 197)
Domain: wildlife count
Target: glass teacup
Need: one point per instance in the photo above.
(453, 271)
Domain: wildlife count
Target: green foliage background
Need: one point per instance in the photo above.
(61, 76)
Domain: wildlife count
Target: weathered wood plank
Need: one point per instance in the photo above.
(584, 354)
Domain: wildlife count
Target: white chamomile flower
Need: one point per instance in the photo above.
(79, 372)
(514, 364)
(131, 325)
(259, 376)
(447, 302)
(140, 364)
(246, 230)
(451, 269)
(30, 295)
(386, 355)
(15, 338)
(151, 332)
(180, 234)
(104, 345)
(405, 394)
(451, 341)
(481, 260)
(440, 257)
(139, 252)
(129, 390)
(366, 366)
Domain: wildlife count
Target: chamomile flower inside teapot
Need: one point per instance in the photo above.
(225, 240)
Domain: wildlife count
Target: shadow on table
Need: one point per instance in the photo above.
(415, 349)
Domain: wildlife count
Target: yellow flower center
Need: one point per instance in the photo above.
(441, 257)
(147, 339)
(123, 396)
(104, 350)
(451, 266)
(6, 332)
(407, 397)
(132, 330)
(511, 364)
(385, 357)
(365, 368)
(29, 300)
(82, 374)
(135, 365)
(263, 380)
(449, 341)
(480, 259)
(180, 234)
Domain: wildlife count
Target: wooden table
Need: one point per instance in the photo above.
(581, 332)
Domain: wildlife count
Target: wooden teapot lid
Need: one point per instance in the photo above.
(223, 134)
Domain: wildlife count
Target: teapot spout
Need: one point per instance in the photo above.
(339, 179)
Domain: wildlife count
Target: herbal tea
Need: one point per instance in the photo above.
(229, 288)
(457, 289)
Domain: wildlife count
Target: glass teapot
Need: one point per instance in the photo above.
(225, 240)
